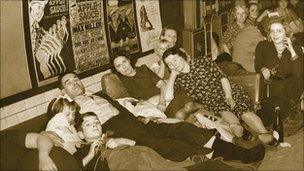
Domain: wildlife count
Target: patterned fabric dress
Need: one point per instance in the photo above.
(203, 85)
(230, 35)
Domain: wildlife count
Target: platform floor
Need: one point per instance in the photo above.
(287, 158)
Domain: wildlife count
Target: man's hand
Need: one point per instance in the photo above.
(168, 120)
(46, 163)
(94, 148)
(54, 137)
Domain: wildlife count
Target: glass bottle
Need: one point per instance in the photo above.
(278, 125)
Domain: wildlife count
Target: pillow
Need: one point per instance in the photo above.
(113, 87)
(144, 108)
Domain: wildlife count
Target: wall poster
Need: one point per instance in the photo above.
(50, 39)
(121, 26)
(64, 35)
(87, 29)
(149, 23)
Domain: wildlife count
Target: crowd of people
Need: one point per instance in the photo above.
(206, 112)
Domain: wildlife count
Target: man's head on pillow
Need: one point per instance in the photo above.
(70, 84)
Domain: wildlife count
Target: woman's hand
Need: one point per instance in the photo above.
(161, 106)
(266, 73)
(174, 72)
(230, 102)
(288, 45)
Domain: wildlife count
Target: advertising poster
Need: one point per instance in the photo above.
(50, 39)
(149, 23)
(121, 26)
(88, 36)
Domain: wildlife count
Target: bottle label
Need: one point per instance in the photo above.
(276, 135)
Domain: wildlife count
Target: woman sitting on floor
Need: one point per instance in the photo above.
(204, 82)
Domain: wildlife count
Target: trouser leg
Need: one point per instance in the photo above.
(231, 152)
(182, 130)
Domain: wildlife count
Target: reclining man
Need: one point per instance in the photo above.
(175, 142)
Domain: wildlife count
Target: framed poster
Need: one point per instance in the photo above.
(149, 23)
(50, 43)
(88, 34)
(121, 28)
(64, 35)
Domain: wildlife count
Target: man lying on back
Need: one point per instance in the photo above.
(175, 142)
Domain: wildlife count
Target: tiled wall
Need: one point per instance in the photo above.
(37, 105)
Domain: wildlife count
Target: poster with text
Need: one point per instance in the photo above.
(121, 26)
(149, 23)
(50, 38)
(88, 36)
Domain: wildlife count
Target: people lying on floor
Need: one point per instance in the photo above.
(61, 120)
(175, 142)
(143, 84)
(280, 61)
(101, 152)
(205, 83)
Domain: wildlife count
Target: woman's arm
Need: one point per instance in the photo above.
(260, 18)
(169, 89)
(161, 102)
(228, 92)
(226, 87)
(162, 69)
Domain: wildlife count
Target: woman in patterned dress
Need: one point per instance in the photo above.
(240, 15)
(205, 83)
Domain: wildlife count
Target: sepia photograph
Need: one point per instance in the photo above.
(152, 85)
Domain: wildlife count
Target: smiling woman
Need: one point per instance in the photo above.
(281, 63)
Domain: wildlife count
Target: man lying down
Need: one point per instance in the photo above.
(175, 142)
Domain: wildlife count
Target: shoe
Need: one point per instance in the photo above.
(245, 143)
(270, 143)
(254, 154)
(198, 158)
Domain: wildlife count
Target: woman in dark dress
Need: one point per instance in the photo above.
(281, 64)
(205, 83)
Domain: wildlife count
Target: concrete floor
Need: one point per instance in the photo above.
(286, 158)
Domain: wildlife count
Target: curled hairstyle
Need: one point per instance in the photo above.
(267, 22)
(78, 124)
(57, 105)
(233, 12)
(174, 51)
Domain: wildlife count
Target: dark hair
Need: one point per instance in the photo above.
(268, 21)
(57, 105)
(78, 124)
(59, 81)
(173, 51)
(119, 54)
